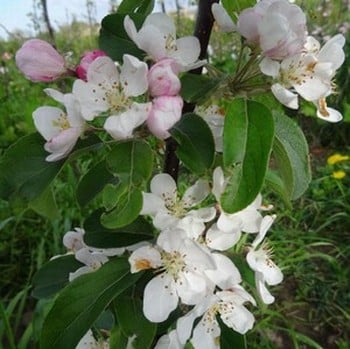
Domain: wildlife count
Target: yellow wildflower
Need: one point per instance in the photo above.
(338, 174)
(335, 158)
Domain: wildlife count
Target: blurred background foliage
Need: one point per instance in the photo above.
(311, 240)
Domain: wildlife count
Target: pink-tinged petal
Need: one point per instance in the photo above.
(160, 298)
(122, 126)
(226, 274)
(196, 193)
(85, 61)
(166, 111)
(286, 97)
(269, 67)
(263, 292)
(46, 121)
(187, 50)
(222, 18)
(61, 145)
(273, 29)
(133, 76)
(164, 186)
(221, 241)
(145, 257)
(151, 204)
(39, 61)
(103, 71)
(163, 79)
(247, 24)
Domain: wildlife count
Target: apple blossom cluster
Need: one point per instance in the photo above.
(190, 266)
(189, 263)
(124, 96)
(296, 62)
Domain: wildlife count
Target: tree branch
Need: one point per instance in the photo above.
(202, 30)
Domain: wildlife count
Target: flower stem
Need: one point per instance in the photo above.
(202, 30)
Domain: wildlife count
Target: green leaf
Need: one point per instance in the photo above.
(290, 150)
(115, 41)
(45, 205)
(126, 210)
(131, 161)
(138, 6)
(246, 272)
(24, 170)
(195, 140)
(53, 276)
(133, 322)
(236, 7)
(248, 136)
(229, 338)
(118, 339)
(79, 305)
(275, 183)
(196, 88)
(97, 235)
(89, 186)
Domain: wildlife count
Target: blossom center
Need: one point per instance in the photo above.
(116, 100)
(62, 122)
(174, 205)
(170, 43)
(173, 263)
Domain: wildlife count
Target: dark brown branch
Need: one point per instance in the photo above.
(203, 27)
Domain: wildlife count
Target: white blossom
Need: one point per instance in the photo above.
(157, 37)
(168, 209)
(308, 74)
(259, 260)
(181, 263)
(111, 90)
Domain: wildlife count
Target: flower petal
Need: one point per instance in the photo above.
(133, 76)
(286, 97)
(122, 126)
(222, 18)
(160, 298)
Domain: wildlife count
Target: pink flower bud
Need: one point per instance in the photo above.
(166, 111)
(162, 78)
(86, 60)
(39, 61)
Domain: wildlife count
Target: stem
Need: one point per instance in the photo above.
(202, 30)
